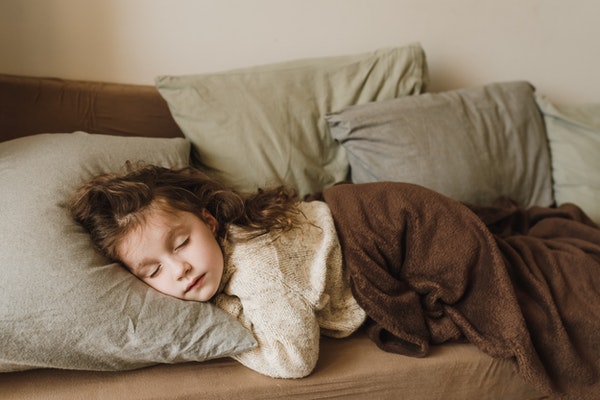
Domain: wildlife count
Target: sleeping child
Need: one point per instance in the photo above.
(411, 265)
(267, 259)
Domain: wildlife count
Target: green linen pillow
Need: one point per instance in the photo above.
(574, 134)
(264, 125)
(473, 144)
(62, 305)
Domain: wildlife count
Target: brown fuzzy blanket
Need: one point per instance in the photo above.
(520, 284)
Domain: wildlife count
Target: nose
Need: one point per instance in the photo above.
(180, 268)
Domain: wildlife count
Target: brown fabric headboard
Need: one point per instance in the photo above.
(46, 105)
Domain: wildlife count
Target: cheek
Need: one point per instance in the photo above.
(209, 248)
(217, 253)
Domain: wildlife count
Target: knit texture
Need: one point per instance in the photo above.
(288, 288)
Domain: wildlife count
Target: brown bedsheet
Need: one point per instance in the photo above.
(522, 285)
(349, 369)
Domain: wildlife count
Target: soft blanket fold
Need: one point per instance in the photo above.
(520, 284)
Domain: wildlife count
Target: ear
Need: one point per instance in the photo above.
(210, 220)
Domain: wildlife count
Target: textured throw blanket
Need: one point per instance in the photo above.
(520, 284)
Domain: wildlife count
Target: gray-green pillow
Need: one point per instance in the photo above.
(574, 134)
(264, 125)
(471, 144)
(64, 306)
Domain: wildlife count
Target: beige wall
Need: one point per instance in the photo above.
(552, 43)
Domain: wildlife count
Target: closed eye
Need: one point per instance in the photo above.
(155, 271)
(182, 244)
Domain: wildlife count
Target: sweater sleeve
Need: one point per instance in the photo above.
(277, 286)
(285, 328)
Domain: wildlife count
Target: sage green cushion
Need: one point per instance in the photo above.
(574, 134)
(265, 125)
(472, 144)
(64, 306)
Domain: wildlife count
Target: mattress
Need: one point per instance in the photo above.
(351, 368)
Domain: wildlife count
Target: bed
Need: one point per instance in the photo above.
(353, 368)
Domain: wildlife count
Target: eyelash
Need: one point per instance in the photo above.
(155, 272)
(185, 242)
(158, 268)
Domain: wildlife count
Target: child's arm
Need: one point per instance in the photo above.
(285, 328)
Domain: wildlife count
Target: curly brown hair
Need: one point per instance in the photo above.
(111, 205)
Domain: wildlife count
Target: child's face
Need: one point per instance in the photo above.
(176, 253)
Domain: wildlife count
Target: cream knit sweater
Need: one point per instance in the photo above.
(288, 289)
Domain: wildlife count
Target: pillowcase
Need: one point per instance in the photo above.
(264, 125)
(62, 305)
(473, 144)
(574, 134)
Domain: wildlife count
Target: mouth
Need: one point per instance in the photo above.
(195, 283)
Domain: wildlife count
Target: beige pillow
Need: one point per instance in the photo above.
(574, 134)
(264, 125)
(64, 306)
(473, 145)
